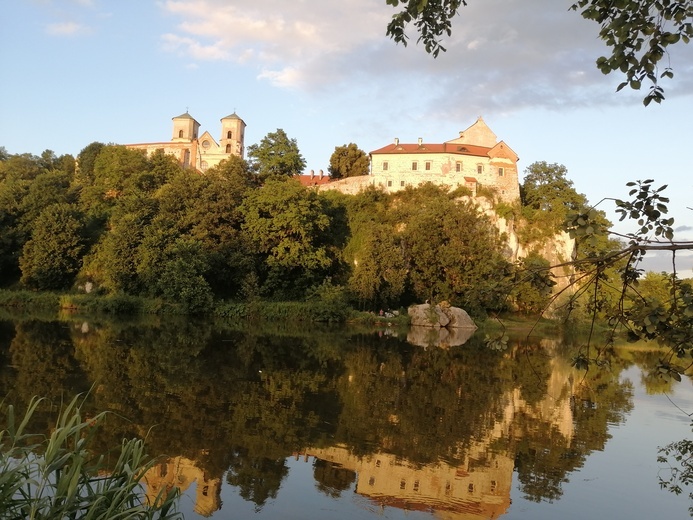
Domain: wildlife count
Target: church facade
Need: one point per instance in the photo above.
(200, 152)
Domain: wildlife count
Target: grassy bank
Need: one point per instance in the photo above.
(125, 305)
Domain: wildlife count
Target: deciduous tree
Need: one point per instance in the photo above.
(348, 161)
(276, 154)
(52, 257)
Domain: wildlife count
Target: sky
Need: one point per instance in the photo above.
(324, 71)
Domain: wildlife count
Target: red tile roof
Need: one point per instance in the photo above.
(313, 180)
(458, 149)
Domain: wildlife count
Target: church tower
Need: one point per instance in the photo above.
(232, 135)
(185, 128)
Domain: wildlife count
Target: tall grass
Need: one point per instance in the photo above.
(58, 477)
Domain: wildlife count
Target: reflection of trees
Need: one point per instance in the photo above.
(42, 355)
(331, 479)
(420, 404)
(244, 401)
(545, 456)
(258, 478)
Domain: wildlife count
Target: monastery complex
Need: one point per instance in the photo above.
(475, 159)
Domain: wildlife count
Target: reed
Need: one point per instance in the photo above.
(56, 476)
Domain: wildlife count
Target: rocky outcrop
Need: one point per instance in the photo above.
(441, 315)
(439, 325)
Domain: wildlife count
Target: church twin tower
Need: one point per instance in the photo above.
(200, 152)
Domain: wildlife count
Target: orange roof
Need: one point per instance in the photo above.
(313, 180)
(453, 148)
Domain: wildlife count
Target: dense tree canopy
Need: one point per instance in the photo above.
(348, 161)
(637, 32)
(276, 154)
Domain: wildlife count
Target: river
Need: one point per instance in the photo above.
(344, 423)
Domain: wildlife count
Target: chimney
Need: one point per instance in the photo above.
(420, 141)
(312, 173)
(321, 174)
(396, 141)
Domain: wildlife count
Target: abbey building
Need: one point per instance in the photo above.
(200, 151)
(474, 160)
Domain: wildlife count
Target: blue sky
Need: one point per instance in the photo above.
(78, 71)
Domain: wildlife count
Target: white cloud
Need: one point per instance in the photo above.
(503, 54)
(193, 48)
(65, 29)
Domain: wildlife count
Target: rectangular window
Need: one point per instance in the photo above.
(428, 165)
(389, 184)
(501, 172)
(458, 166)
(401, 183)
(479, 169)
(414, 166)
(385, 166)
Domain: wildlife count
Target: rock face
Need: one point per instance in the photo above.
(442, 315)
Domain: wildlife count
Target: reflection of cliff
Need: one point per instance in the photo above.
(181, 472)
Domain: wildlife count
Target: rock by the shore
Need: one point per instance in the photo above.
(443, 315)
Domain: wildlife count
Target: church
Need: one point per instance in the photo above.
(200, 152)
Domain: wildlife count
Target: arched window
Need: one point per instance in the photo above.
(229, 134)
(228, 148)
(180, 133)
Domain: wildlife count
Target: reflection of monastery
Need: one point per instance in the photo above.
(181, 472)
(477, 488)
(200, 152)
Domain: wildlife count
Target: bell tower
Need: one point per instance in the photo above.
(185, 128)
(232, 135)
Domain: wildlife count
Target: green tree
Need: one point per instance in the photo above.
(533, 284)
(276, 155)
(453, 251)
(53, 255)
(348, 161)
(637, 32)
(546, 188)
(118, 172)
(86, 159)
(288, 227)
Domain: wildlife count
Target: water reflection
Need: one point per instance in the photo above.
(435, 430)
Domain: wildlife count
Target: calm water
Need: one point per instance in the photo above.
(347, 424)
